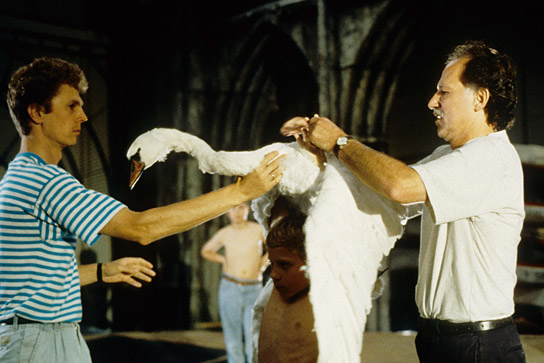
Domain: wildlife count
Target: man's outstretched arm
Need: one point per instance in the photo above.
(386, 175)
(153, 224)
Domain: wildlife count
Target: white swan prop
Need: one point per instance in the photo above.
(349, 228)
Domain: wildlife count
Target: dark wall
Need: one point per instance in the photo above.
(147, 63)
(514, 28)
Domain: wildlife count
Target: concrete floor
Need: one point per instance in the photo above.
(397, 348)
(377, 347)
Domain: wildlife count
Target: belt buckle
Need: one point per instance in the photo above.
(486, 325)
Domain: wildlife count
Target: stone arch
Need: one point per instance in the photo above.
(271, 82)
(374, 75)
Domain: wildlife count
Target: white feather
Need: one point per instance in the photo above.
(349, 228)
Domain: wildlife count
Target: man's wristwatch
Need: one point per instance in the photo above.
(341, 141)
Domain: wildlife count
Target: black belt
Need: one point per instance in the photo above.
(19, 321)
(437, 327)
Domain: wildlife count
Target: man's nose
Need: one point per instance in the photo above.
(83, 116)
(433, 102)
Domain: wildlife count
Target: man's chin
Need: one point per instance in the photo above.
(72, 141)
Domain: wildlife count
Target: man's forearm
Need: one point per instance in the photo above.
(160, 222)
(382, 173)
(153, 224)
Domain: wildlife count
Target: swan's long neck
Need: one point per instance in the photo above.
(196, 147)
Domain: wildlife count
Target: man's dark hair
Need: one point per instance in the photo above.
(289, 233)
(487, 68)
(36, 84)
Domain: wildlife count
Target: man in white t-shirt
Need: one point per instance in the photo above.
(472, 203)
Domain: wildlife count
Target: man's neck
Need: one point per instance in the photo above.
(32, 145)
(479, 129)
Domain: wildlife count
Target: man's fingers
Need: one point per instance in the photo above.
(264, 177)
(269, 157)
(135, 261)
(294, 126)
(273, 171)
(147, 272)
(274, 168)
(145, 263)
(144, 277)
(139, 271)
(129, 280)
(272, 159)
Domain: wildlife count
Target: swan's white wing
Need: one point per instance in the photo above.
(348, 231)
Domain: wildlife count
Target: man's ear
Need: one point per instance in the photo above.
(35, 113)
(481, 99)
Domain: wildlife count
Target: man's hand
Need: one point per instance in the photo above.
(126, 270)
(297, 127)
(264, 177)
(319, 132)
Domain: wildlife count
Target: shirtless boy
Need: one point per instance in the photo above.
(240, 284)
(283, 321)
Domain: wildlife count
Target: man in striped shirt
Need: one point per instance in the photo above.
(44, 210)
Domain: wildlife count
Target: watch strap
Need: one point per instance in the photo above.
(337, 146)
(99, 272)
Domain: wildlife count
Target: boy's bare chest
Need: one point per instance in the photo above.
(238, 239)
(287, 332)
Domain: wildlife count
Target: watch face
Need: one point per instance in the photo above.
(342, 141)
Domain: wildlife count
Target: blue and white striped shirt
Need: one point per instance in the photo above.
(43, 210)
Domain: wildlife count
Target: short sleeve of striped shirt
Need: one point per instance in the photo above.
(80, 211)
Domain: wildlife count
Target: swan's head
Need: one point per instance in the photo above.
(146, 150)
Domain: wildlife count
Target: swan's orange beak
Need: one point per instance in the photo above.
(136, 171)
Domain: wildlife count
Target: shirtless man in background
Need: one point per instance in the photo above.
(242, 261)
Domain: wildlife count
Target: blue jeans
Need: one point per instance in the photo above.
(43, 343)
(497, 345)
(235, 307)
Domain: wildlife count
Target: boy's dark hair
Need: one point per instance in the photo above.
(36, 84)
(289, 233)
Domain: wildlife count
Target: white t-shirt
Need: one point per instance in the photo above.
(470, 230)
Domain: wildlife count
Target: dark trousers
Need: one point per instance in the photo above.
(497, 345)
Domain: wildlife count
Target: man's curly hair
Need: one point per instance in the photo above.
(36, 84)
(487, 68)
